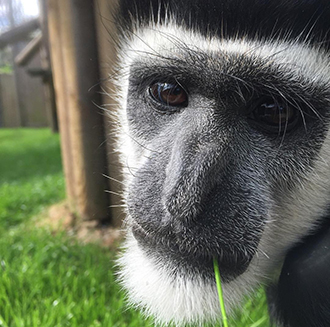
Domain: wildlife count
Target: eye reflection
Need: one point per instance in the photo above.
(169, 94)
(274, 115)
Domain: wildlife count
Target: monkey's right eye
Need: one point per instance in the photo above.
(169, 94)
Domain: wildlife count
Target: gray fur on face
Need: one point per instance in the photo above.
(211, 179)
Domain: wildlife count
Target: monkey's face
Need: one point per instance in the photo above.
(225, 144)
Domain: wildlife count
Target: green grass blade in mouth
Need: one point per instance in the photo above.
(219, 288)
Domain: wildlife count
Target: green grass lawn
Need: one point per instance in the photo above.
(52, 280)
(30, 174)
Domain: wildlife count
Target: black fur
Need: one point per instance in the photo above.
(263, 19)
(303, 291)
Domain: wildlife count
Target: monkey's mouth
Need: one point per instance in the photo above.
(227, 227)
(185, 254)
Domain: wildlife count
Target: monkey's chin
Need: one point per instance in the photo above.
(153, 286)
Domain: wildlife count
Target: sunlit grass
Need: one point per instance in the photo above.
(51, 280)
(253, 314)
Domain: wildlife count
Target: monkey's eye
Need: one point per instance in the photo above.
(169, 94)
(275, 116)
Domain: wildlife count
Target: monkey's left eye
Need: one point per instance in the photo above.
(169, 94)
(274, 116)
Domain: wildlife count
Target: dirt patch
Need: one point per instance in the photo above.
(59, 218)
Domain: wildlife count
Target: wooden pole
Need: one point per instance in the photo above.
(57, 62)
(107, 50)
(78, 71)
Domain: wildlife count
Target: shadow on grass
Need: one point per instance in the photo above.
(26, 153)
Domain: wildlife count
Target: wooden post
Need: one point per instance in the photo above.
(75, 68)
(107, 50)
(57, 62)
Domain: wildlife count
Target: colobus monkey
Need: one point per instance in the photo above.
(225, 141)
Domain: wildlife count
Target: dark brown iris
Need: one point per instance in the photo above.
(276, 116)
(169, 94)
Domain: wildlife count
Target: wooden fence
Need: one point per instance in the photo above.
(9, 111)
(22, 100)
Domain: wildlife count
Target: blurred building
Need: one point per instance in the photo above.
(22, 100)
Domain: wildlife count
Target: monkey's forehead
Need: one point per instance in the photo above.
(172, 49)
(289, 19)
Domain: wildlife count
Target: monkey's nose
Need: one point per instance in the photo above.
(190, 175)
